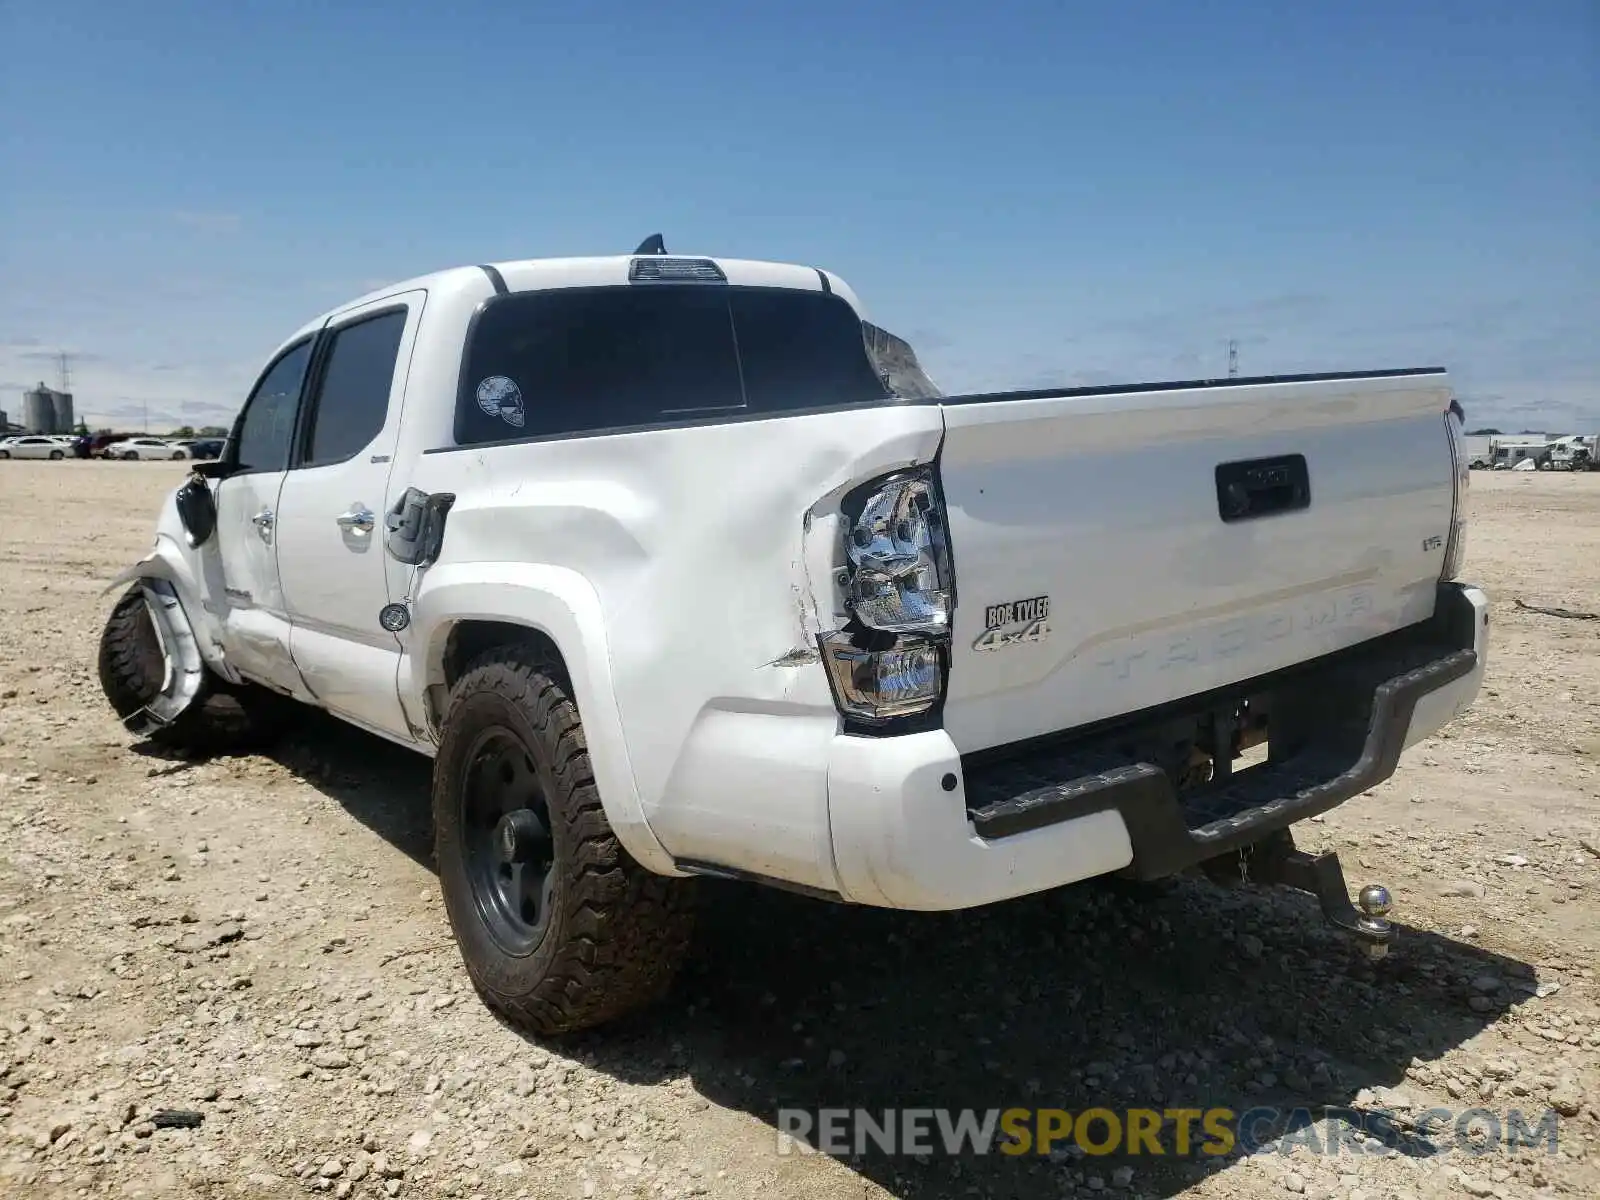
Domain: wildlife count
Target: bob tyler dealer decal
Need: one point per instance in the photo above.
(1014, 623)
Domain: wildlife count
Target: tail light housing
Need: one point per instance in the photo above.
(897, 586)
(1455, 550)
(875, 686)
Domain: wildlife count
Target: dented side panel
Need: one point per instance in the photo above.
(709, 551)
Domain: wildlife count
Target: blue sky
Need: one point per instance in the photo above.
(1034, 193)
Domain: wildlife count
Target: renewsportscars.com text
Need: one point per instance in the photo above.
(1173, 1132)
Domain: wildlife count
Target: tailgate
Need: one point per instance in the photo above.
(1119, 549)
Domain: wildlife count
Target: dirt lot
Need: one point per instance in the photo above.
(258, 940)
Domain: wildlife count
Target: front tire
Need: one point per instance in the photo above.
(559, 928)
(131, 456)
(132, 666)
(56, 456)
(178, 456)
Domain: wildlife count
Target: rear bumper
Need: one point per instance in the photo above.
(913, 825)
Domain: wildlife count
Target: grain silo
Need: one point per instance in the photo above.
(62, 403)
(38, 412)
(45, 410)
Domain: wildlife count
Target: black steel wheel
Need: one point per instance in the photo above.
(509, 848)
(560, 929)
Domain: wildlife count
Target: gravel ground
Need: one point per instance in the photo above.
(259, 941)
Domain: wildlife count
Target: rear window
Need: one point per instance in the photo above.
(581, 360)
(801, 350)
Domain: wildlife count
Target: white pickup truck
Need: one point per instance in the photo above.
(676, 566)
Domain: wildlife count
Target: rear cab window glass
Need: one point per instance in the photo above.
(352, 395)
(266, 428)
(585, 360)
(801, 350)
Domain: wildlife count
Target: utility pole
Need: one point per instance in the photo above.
(1233, 359)
(65, 370)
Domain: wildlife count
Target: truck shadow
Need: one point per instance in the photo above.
(1091, 996)
(1185, 996)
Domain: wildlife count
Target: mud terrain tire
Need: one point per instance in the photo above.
(585, 934)
(222, 717)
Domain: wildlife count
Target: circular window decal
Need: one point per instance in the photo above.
(501, 397)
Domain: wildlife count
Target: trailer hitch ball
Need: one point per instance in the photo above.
(1375, 903)
(1374, 900)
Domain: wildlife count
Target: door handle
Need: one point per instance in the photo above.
(359, 517)
(263, 522)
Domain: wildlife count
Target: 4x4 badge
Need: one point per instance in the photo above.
(999, 639)
(1030, 619)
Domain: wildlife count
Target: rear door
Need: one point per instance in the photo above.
(1117, 551)
(257, 627)
(330, 519)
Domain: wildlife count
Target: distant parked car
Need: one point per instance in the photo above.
(206, 448)
(96, 445)
(132, 449)
(32, 445)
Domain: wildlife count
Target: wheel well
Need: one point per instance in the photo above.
(468, 639)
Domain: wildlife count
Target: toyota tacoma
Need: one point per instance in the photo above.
(677, 566)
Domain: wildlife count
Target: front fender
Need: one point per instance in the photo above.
(562, 605)
(173, 562)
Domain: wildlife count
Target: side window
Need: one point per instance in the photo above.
(266, 429)
(352, 396)
(571, 360)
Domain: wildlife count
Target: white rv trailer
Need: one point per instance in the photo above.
(1575, 452)
(1506, 453)
(1480, 450)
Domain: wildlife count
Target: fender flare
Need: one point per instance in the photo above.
(563, 606)
(169, 562)
(180, 653)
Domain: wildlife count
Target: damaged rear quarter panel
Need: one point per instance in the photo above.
(695, 542)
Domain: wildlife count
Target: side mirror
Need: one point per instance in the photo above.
(197, 509)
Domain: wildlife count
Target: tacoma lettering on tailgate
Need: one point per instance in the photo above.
(1225, 641)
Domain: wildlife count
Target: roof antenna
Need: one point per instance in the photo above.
(652, 245)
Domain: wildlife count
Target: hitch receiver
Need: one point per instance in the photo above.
(1278, 861)
(1322, 876)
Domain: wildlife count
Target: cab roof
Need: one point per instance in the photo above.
(534, 274)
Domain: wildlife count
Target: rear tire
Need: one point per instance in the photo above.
(5, 454)
(559, 927)
(56, 456)
(178, 456)
(223, 717)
